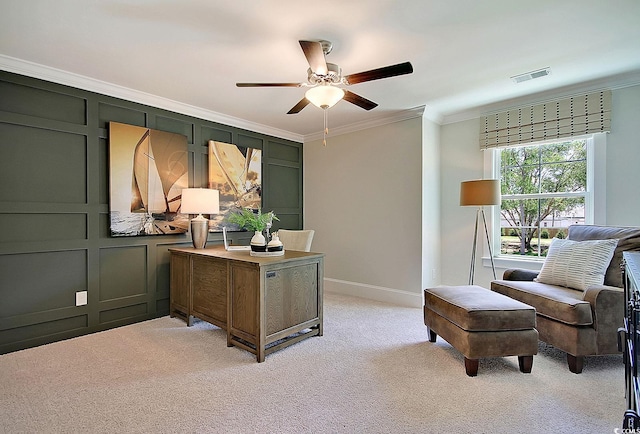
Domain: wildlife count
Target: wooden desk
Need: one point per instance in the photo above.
(264, 304)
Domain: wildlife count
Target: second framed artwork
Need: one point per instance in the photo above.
(236, 172)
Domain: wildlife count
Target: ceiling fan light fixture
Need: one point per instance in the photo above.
(324, 96)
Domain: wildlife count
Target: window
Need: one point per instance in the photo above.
(545, 188)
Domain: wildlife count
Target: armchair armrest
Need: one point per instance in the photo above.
(607, 303)
(519, 274)
(607, 308)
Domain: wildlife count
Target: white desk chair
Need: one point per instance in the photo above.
(296, 240)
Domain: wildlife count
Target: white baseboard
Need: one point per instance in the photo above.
(378, 293)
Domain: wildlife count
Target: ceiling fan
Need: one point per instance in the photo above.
(324, 78)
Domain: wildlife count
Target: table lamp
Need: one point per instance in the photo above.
(200, 201)
(480, 193)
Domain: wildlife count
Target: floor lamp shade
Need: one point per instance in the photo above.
(200, 201)
(480, 192)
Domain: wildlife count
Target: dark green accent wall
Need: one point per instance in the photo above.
(54, 210)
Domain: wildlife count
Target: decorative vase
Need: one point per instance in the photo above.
(275, 245)
(258, 243)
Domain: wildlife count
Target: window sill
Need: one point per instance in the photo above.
(505, 263)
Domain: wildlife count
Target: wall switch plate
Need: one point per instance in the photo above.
(81, 298)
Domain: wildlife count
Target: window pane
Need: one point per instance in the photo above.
(564, 177)
(569, 172)
(527, 226)
(520, 170)
(565, 151)
(538, 171)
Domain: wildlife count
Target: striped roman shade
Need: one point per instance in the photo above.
(575, 116)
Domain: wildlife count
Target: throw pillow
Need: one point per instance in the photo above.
(577, 264)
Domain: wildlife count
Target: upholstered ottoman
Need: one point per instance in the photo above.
(481, 323)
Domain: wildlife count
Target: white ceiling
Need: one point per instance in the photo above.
(194, 51)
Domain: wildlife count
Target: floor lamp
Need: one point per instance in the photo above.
(200, 201)
(480, 193)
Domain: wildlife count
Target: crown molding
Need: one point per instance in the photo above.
(398, 116)
(35, 70)
(613, 82)
(23, 67)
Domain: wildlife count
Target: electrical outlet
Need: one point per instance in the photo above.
(81, 298)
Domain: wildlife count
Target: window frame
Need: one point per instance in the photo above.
(595, 198)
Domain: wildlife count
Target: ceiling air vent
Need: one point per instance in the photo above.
(531, 75)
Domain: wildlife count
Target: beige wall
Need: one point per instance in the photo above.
(431, 192)
(385, 201)
(363, 197)
(462, 160)
(623, 159)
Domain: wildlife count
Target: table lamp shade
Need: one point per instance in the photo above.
(480, 192)
(200, 201)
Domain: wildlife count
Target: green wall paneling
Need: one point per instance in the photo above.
(217, 134)
(40, 165)
(117, 113)
(123, 272)
(287, 221)
(38, 333)
(42, 227)
(125, 314)
(54, 210)
(285, 152)
(177, 126)
(43, 104)
(103, 167)
(25, 277)
(250, 141)
(283, 188)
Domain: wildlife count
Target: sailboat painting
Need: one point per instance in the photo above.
(236, 172)
(148, 170)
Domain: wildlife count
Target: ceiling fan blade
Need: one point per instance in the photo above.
(296, 108)
(268, 84)
(358, 100)
(315, 56)
(377, 74)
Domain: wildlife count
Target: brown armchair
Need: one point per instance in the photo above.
(580, 323)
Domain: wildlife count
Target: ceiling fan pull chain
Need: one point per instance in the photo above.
(326, 128)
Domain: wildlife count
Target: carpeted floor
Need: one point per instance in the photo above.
(373, 371)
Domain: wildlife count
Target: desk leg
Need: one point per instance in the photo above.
(261, 345)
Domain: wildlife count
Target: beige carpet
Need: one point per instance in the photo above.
(373, 371)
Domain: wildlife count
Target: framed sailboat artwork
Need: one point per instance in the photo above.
(148, 170)
(236, 172)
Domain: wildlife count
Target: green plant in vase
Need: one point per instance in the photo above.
(246, 218)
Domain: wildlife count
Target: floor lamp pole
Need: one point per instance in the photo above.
(472, 269)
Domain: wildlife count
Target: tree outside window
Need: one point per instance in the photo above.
(543, 192)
